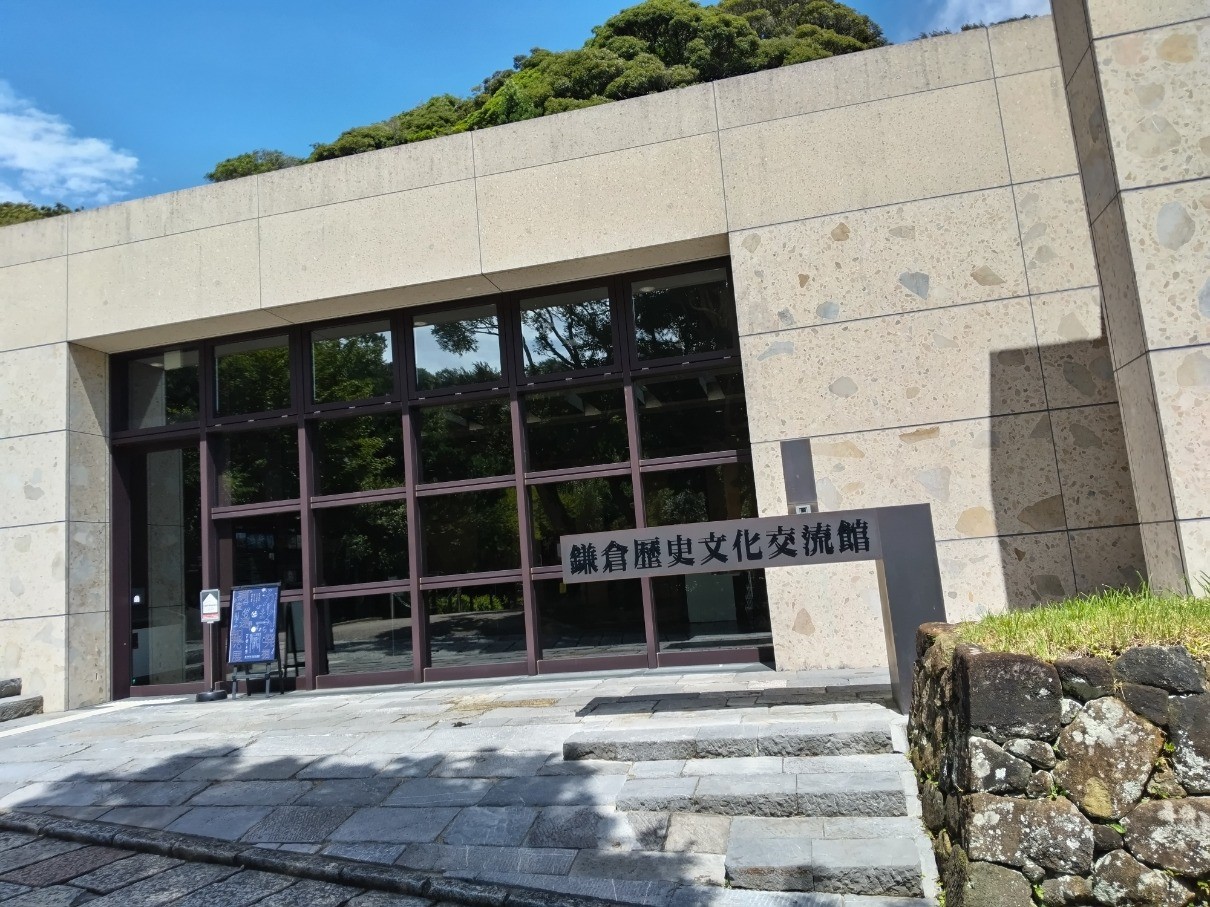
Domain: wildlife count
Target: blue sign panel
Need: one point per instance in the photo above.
(253, 624)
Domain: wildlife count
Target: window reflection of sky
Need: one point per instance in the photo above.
(430, 357)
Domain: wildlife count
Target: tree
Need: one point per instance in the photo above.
(263, 160)
(21, 212)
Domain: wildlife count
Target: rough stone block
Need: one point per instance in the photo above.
(1051, 833)
(1034, 751)
(870, 794)
(757, 795)
(10, 687)
(1149, 702)
(1169, 667)
(1119, 879)
(1108, 753)
(728, 741)
(1105, 839)
(61, 868)
(1085, 678)
(1172, 834)
(990, 768)
(1189, 726)
(1066, 890)
(1003, 695)
(13, 707)
(883, 867)
(769, 857)
(975, 884)
(657, 794)
(124, 872)
(698, 833)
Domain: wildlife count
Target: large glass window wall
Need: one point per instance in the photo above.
(407, 478)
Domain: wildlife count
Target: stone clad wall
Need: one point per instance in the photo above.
(1075, 782)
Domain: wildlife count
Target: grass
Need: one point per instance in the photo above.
(1102, 624)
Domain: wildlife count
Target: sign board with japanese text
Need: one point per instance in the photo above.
(253, 637)
(722, 547)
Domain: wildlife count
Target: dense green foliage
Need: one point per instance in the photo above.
(651, 47)
(20, 212)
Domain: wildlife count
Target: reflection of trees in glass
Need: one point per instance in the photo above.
(697, 495)
(561, 338)
(680, 321)
(476, 599)
(576, 428)
(567, 508)
(180, 394)
(468, 441)
(471, 532)
(254, 381)
(461, 339)
(364, 453)
(256, 466)
(679, 416)
(366, 543)
(352, 368)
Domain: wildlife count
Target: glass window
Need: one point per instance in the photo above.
(363, 453)
(166, 567)
(458, 347)
(567, 428)
(685, 314)
(253, 376)
(566, 332)
(679, 416)
(162, 389)
(352, 362)
(725, 492)
(257, 466)
(291, 638)
(471, 532)
(569, 508)
(712, 610)
(364, 543)
(265, 549)
(590, 619)
(474, 625)
(465, 441)
(367, 634)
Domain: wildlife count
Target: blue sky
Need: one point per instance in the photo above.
(104, 101)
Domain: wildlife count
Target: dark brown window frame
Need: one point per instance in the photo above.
(405, 400)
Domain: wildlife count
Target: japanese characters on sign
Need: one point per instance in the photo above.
(753, 544)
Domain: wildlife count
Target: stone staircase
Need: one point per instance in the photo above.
(13, 704)
(805, 806)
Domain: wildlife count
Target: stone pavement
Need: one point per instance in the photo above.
(500, 782)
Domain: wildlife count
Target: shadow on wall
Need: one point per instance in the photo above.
(1061, 491)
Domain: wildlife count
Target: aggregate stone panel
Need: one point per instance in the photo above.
(32, 390)
(1172, 834)
(919, 255)
(1107, 753)
(916, 146)
(1094, 468)
(1071, 30)
(1091, 132)
(1037, 130)
(33, 481)
(1189, 720)
(1169, 667)
(1195, 543)
(1107, 17)
(1182, 384)
(1169, 231)
(33, 567)
(992, 575)
(1055, 235)
(33, 241)
(1004, 695)
(1051, 833)
(35, 302)
(941, 370)
(1074, 345)
(1118, 878)
(1023, 46)
(1120, 293)
(1154, 84)
(1110, 557)
(1148, 462)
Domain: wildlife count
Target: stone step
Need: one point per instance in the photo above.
(10, 687)
(19, 707)
(859, 794)
(819, 738)
(792, 855)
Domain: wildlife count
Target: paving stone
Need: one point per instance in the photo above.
(462, 858)
(366, 853)
(61, 793)
(869, 794)
(556, 766)
(34, 852)
(241, 889)
(828, 740)
(27, 771)
(383, 899)
(227, 822)
(63, 867)
(87, 813)
(870, 827)
(728, 741)
(660, 768)
(147, 770)
(439, 792)
(686, 867)
(155, 793)
(489, 765)
(829, 765)
(770, 856)
(395, 825)
(298, 824)
(565, 826)
(225, 768)
(657, 794)
(697, 833)
(309, 893)
(503, 826)
(756, 795)
(698, 896)
(251, 793)
(632, 746)
(749, 765)
(144, 816)
(887, 866)
(125, 872)
(625, 892)
(8, 890)
(56, 896)
(349, 792)
(345, 766)
(166, 887)
(11, 839)
(554, 791)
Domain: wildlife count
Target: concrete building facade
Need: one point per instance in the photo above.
(924, 244)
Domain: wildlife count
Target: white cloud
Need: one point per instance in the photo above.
(42, 159)
(957, 13)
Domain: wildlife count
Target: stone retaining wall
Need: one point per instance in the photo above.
(1083, 781)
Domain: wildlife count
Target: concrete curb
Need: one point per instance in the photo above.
(337, 870)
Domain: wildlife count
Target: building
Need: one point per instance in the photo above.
(391, 381)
